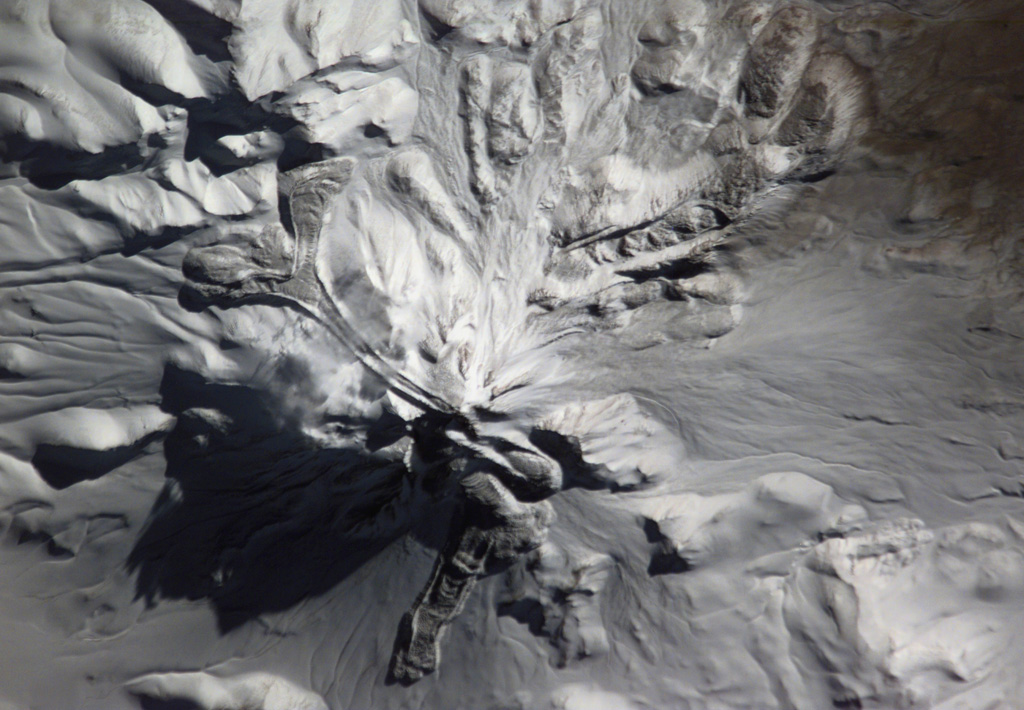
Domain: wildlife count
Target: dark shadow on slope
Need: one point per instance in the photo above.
(527, 611)
(148, 703)
(684, 268)
(204, 32)
(51, 167)
(232, 113)
(567, 453)
(137, 243)
(664, 558)
(434, 27)
(64, 466)
(253, 517)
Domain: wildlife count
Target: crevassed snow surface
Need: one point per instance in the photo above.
(710, 311)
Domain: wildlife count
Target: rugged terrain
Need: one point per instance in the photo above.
(536, 354)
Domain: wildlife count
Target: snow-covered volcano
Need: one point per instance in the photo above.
(547, 354)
